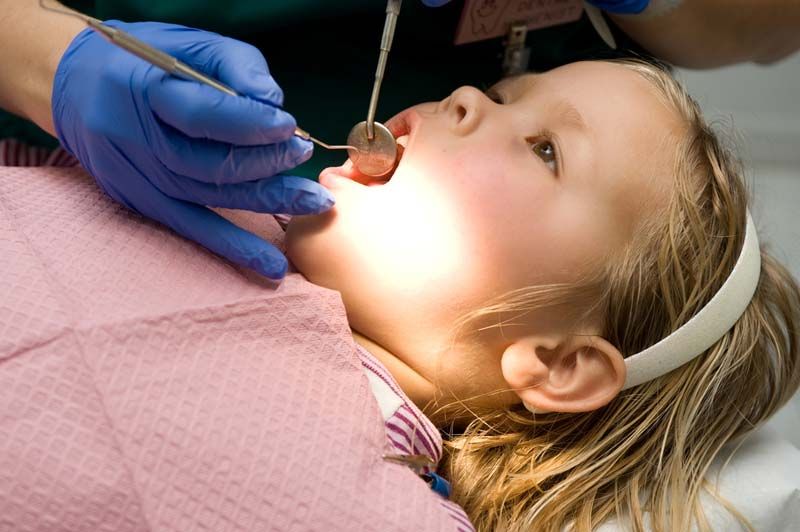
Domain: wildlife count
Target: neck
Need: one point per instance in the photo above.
(416, 387)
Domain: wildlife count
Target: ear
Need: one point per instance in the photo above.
(567, 373)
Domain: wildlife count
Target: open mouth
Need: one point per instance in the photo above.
(402, 127)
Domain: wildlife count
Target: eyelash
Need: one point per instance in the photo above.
(495, 96)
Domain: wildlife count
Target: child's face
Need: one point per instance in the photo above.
(537, 187)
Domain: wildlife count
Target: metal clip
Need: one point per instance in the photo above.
(417, 462)
(517, 55)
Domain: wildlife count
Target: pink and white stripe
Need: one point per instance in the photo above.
(16, 153)
(410, 432)
(458, 515)
(408, 428)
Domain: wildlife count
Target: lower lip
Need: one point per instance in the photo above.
(331, 180)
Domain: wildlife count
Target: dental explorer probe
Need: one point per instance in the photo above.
(370, 137)
(392, 12)
(170, 64)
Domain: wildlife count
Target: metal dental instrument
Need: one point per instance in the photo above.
(375, 148)
(600, 26)
(392, 12)
(173, 66)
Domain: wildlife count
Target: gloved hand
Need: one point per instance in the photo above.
(626, 7)
(166, 147)
(435, 3)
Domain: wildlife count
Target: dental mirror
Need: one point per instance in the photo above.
(373, 157)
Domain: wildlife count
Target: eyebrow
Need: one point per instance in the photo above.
(565, 110)
(569, 114)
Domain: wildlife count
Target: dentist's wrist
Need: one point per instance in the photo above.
(34, 41)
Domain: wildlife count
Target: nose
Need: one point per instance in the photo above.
(466, 108)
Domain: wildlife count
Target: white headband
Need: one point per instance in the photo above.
(707, 326)
(704, 328)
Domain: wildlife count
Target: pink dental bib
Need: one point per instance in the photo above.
(146, 384)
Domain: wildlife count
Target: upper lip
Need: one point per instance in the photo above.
(404, 123)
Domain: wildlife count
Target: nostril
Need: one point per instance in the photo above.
(461, 112)
(464, 109)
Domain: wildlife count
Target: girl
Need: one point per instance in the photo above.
(531, 240)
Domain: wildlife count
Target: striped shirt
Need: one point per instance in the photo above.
(408, 430)
(15, 153)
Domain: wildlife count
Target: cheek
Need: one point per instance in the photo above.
(504, 205)
(455, 211)
(528, 229)
(473, 163)
(563, 241)
(477, 182)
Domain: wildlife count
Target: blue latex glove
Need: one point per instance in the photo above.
(627, 7)
(435, 3)
(167, 147)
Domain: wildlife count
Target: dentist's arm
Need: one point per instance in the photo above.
(712, 33)
(32, 42)
(164, 147)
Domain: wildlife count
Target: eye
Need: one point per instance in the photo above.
(546, 151)
(495, 96)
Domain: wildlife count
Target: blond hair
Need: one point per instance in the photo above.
(647, 452)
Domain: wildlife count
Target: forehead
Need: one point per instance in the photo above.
(591, 68)
(596, 79)
(631, 131)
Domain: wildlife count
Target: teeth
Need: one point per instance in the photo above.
(403, 140)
